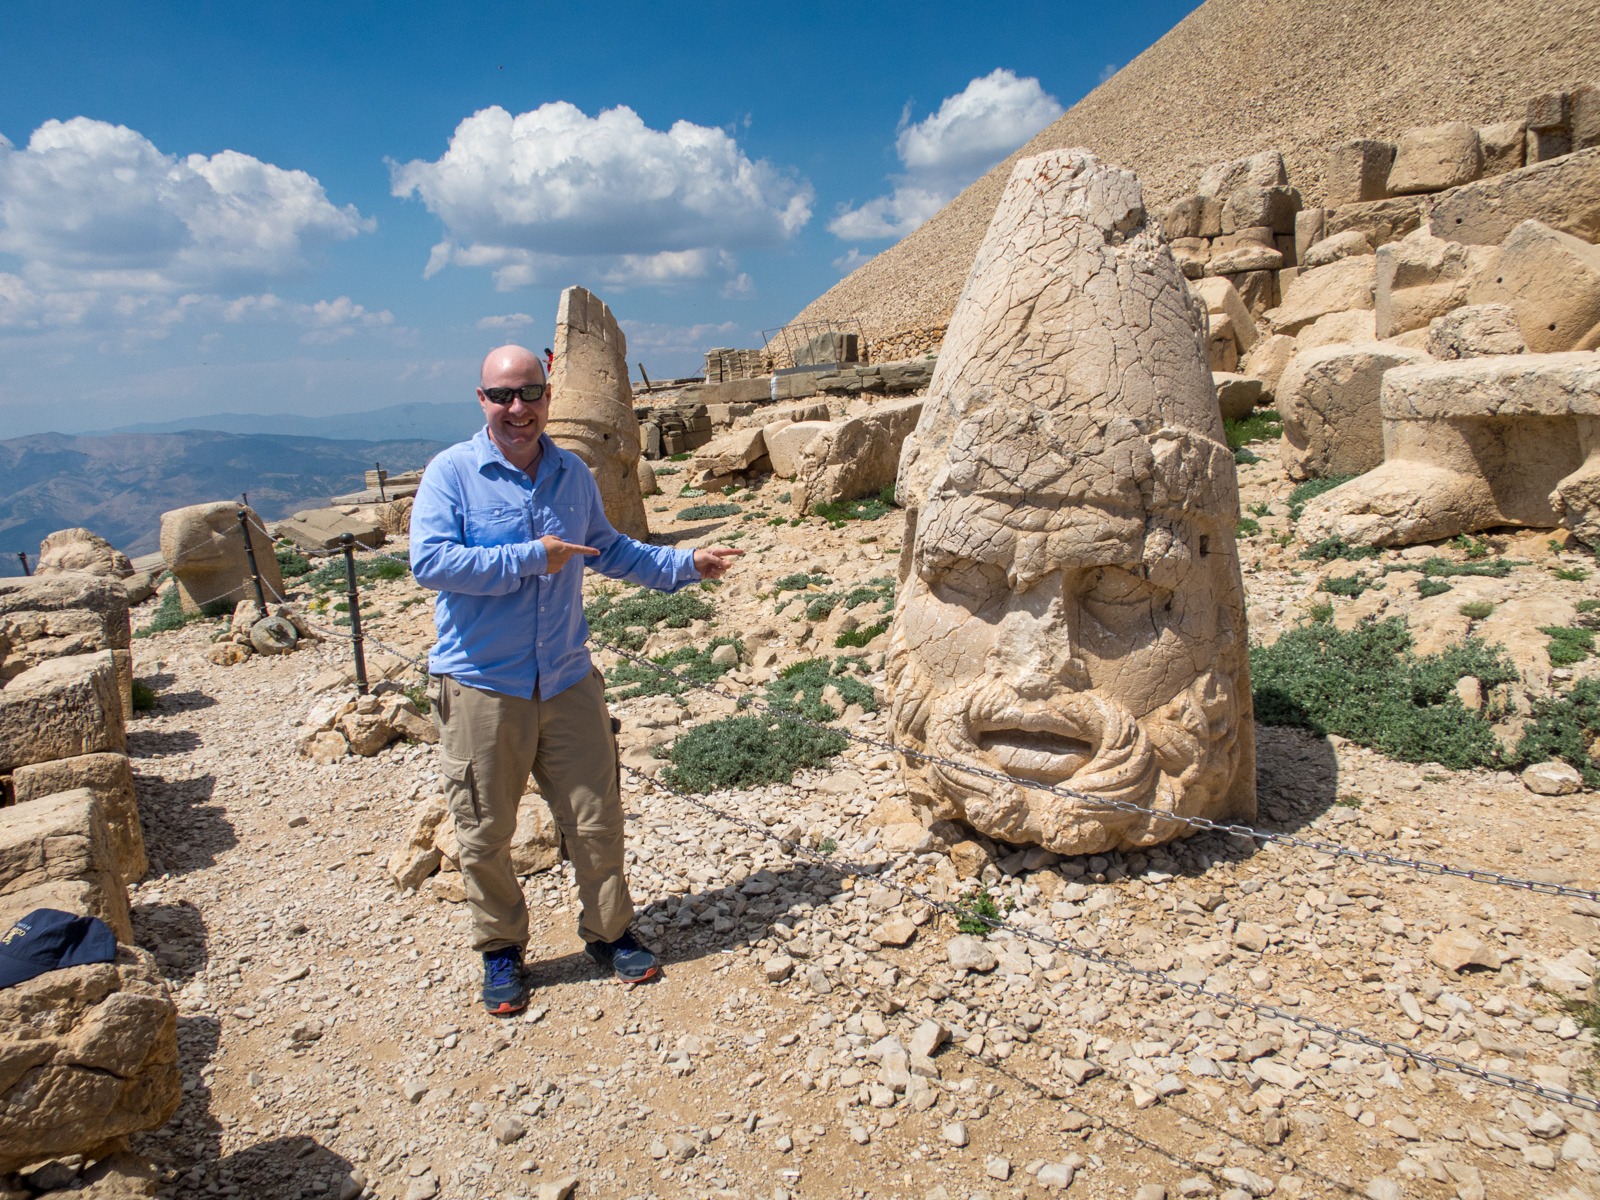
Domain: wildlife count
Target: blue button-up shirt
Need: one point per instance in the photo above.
(504, 624)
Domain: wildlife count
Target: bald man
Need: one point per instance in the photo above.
(502, 528)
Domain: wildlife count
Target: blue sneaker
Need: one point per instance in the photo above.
(504, 992)
(631, 961)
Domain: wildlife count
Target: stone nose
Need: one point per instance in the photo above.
(1037, 648)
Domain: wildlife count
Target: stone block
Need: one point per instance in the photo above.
(324, 528)
(1338, 328)
(732, 452)
(1309, 224)
(1181, 219)
(1341, 286)
(1564, 194)
(45, 618)
(1549, 120)
(59, 709)
(1380, 221)
(786, 442)
(1328, 398)
(56, 852)
(1585, 117)
(88, 1055)
(796, 386)
(1475, 444)
(1552, 281)
(1349, 244)
(1421, 277)
(1237, 395)
(1264, 170)
(730, 391)
(1432, 158)
(784, 414)
(830, 346)
(204, 548)
(1273, 207)
(1192, 254)
(1221, 298)
(1502, 145)
(853, 458)
(1268, 359)
(1358, 171)
(109, 779)
(911, 375)
(1475, 330)
(1258, 290)
(1251, 249)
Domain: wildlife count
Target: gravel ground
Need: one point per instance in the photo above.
(819, 1034)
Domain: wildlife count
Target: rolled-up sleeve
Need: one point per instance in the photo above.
(442, 561)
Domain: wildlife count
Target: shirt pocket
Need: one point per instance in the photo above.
(496, 525)
(565, 521)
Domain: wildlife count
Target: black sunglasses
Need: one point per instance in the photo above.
(531, 394)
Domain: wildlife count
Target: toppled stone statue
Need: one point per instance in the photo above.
(1073, 613)
(81, 551)
(591, 409)
(204, 548)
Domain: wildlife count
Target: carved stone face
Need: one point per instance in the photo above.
(1073, 614)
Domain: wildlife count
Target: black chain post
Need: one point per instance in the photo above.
(23, 555)
(348, 542)
(250, 553)
(382, 499)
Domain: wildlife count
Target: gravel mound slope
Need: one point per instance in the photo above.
(1237, 76)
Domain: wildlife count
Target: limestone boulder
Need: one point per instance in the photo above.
(419, 856)
(1563, 193)
(1257, 171)
(730, 454)
(1475, 330)
(59, 709)
(591, 407)
(1268, 359)
(1222, 299)
(1421, 277)
(109, 779)
(1328, 398)
(647, 479)
(45, 618)
(1341, 286)
(88, 1055)
(853, 458)
(325, 528)
(1432, 158)
(56, 852)
(1237, 395)
(1070, 469)
(783, 414)
(1552, 281)
(81, 551)
(204, 548)
(1380, 221)
(1271, 207)
(1338, 328)
(1474, 444)
(1349, 244)
(1358, 171)
(786, 442)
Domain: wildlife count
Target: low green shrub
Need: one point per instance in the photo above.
(1428, 588)
(1565, 727)
(746, 752)
(169, 614)
(1247, 527)
(1567, 645)
(1345, 585)
(291, 563)
(331, 576)
(1475, 610)
(856, 638)
(144, 696)
(706, 512)
(1308, 491)
(800, 581)
(1369, 686)
(628, 620)
(1263, 425)
(800, 685)
(1571, 574)
(976, 912)
(836, 513)
(1444, 568)
(1473, 548)
(1331, 548)
(691, 664)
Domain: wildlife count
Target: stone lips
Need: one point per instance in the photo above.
(1072, 612)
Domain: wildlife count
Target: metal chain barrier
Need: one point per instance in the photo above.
(1106, 961)
(1335, 849)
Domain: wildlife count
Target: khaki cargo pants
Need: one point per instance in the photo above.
(490, 744)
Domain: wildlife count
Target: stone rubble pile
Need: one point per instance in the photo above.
(251, 632)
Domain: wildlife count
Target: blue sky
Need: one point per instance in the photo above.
(318, 208)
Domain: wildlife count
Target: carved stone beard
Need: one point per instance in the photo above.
(1086, 743)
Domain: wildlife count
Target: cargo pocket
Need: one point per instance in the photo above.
(461, 790)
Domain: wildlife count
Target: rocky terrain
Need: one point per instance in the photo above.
(822, 1027)
(1236, 77)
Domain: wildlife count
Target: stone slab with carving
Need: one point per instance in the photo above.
(109, 778)
(1072, 614)
(591, 406)
(324, 528)
(204, 548)
(1328, 398)
(1552, 281)
(61, 708)
(62, 615)
(853, 458)
(1474, 444)
(88, 1055)
(82, 551)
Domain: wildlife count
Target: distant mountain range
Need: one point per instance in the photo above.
(445, 423)
(119, 484)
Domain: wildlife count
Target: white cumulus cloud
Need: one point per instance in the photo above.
(948, 149)
(516, 320)
(87, 204)
(536, 195)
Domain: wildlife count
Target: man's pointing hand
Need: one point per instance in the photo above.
(713, 561)
(557, 552)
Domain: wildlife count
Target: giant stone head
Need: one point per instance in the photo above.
(1071, 612)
